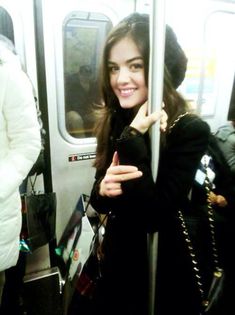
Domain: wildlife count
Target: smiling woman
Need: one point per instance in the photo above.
(125, 186)
(127, 74)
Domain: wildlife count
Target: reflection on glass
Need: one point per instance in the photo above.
(84, 34)
(210, 56)
(219, 53)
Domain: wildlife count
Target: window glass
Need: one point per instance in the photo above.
(218, 60)
(84, 35)
(208, 62)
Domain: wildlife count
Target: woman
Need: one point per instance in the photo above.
(125, 187)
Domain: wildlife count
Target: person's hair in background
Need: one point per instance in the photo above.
(136, 27)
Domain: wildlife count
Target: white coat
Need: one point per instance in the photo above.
(19, 148)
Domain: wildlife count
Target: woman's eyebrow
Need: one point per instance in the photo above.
(127, 61)
(111, 62)
(134, 59)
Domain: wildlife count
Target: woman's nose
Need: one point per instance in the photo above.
(123, 76)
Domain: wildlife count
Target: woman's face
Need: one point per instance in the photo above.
(126, 71)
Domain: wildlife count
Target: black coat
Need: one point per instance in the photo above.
(175, 277)
(150, 205)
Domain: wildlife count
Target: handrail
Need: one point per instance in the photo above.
(156, 72)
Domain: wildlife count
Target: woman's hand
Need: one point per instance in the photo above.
(163, 119)
(110, 186)
(142, 121)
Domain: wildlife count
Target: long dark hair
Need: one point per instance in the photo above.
(136, 27)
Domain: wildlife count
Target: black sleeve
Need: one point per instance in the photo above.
(224, 180)
(177, 167)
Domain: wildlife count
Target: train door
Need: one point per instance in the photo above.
(73, 33)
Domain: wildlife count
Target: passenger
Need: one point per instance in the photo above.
(81, 93)
(226, 135)
(124, 182)
(222, 199)
(12, 297)
(20, 146)
(226, 141)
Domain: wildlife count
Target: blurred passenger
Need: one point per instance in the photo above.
(75, 125)
(125, 185)
(20, 146)
(81, 93)
(226, 141)
(226, 135)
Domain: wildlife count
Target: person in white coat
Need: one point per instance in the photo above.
(20, 144)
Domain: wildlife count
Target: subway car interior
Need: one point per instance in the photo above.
(60, 46)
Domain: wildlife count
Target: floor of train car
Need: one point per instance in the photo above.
(42, 295)
(42, 292)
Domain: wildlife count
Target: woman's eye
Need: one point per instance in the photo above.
(136, 66)
(113, 69)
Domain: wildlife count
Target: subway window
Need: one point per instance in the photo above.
(83, 37)
(218, 60)
(209, 59)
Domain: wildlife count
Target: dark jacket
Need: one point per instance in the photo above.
(175, 276)
(226, 140)
(148, 205)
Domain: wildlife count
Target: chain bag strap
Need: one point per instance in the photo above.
(210, 300)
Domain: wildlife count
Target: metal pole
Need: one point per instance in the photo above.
(156, 72)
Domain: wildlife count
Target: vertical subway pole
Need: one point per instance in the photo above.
(156, 71)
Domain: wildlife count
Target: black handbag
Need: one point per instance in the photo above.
(213, 300)
(215, 294)
(38, 219)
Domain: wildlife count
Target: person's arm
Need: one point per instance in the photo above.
(231, 152)
(177, 167)
(22, 139)
(100, 203)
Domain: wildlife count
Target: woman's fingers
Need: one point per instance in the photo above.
(143, 121)
(163, 120)
(122, 173)
(115, 160)
(112, 189)
(111, 184)
(121, 169)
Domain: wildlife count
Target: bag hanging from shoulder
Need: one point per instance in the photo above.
(213, 300)
(215, 293)
(38, 219)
